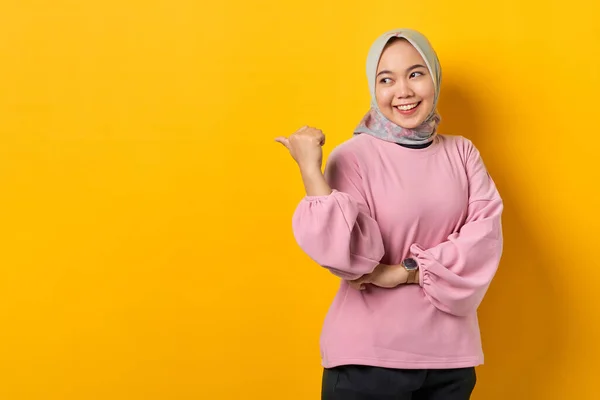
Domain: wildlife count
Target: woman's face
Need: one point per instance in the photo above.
(403, 86)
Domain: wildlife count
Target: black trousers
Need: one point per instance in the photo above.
(358, 382)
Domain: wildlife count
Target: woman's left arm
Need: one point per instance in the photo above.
(456, 274)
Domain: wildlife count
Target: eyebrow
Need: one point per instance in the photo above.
(385, 71)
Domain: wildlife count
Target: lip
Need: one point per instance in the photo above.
(409, 112)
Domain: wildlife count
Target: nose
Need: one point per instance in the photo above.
(403, 89)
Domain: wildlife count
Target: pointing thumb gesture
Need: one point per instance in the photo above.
(284, 141)
(304, 146)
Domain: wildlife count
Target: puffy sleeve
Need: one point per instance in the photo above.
(456, 274)
(337, 231)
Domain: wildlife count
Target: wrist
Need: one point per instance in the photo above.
(314, 181)
(411, 267)
(310, 171)
(402, 273)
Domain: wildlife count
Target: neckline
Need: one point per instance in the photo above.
(420, 151)
(436, 144)
(416, 146)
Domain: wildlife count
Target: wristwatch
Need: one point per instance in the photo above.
(410, 265)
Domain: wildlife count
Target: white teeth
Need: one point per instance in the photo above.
(407, 107)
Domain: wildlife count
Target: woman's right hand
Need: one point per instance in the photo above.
(305, 147)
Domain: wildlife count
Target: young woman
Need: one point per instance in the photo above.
(410, 220)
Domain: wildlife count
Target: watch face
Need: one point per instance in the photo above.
(410, 264)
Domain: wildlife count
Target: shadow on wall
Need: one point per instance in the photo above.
(521, 316)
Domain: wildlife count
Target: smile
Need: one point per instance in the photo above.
(407, 108)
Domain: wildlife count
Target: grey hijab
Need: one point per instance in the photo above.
(374, 122)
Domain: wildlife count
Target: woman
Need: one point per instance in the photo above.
(411, 222)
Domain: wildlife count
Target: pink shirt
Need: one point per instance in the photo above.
(438, 205)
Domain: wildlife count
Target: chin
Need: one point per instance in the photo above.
(408, 123)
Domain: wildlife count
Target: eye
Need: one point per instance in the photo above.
(385, 80)
(416, 74)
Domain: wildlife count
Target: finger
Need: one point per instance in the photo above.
(302, 128)
(356, 285)
(356, 281)
(361, 282)
(365, 278)
(320, 136)
(284, 141)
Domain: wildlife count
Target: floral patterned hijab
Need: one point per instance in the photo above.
(374, 122)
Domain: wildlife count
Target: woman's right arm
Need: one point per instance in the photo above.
(333, 224)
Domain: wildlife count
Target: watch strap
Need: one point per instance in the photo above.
(412, 276)
(412, 271)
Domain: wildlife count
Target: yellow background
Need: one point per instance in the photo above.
(146, 247)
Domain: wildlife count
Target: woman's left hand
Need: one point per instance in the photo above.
(385, 276)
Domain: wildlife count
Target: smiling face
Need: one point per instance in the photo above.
(404, 88)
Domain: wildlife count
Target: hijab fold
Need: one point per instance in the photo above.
(374, 122)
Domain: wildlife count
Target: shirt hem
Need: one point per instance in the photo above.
(400, 364)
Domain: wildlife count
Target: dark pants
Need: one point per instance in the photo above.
(357, 382)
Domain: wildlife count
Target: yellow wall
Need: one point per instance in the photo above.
(146, 249)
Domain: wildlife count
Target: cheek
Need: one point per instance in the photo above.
(426, 91)
(383, 97)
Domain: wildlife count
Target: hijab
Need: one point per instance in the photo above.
(374, 122)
